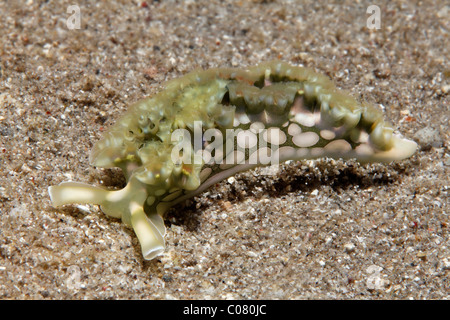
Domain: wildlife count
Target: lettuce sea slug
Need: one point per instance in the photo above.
(208, 125)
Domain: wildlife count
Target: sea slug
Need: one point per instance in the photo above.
(208, 125)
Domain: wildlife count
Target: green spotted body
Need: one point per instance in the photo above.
(246, 118)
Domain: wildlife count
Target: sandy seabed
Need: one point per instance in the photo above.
(326, 229)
